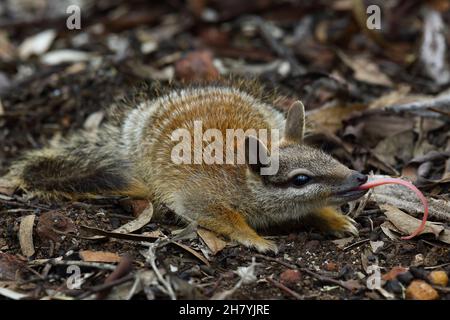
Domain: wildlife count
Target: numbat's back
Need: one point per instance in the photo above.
(214, 154)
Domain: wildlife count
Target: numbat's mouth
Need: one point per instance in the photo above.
(351, 194)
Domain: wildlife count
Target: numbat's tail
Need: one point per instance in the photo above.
(82, 167)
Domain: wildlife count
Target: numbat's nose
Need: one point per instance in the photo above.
(358, 178)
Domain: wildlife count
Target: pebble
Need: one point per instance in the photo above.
(330, 266)
(420, 290)
(438, 278)
(394, 273)
(405, 277)
(312, 245)
(394, 286)
(418, 260)
(419, 273)
(290, 277)
(346, 272)
(374, 236)
(196, 66)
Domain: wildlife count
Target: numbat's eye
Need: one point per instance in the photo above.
(300, 180)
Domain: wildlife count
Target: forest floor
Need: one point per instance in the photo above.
(353, 82)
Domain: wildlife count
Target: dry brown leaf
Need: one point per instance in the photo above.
(10, 267)
(434, 47)
(37, 44)
(405, 199)
(413, 169)
(445, 236)
(359, 9)
(398, 146)
(26, 235)
(144, 218)
(214, 243)
(397, 97)
(387, 229)
(366, 70)
(341, 243)
(10, 294)
(8, 186)
(54, 225)
(331, 115)
(102, 234)
(192, 251)
(408, 224)
(65, 56)
(99, 256)
(370, 127)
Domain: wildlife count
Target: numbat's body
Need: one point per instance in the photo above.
(134, 157)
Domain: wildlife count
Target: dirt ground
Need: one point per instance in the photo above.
(352, 81)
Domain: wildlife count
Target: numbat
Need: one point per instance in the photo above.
(133, 155)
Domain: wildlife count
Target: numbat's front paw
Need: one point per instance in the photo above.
(331, 221)
(343, 226)
(260, 244)
(266, 246)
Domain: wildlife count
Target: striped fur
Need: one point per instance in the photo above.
(132, 156)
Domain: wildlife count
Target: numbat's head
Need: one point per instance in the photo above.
(306, 177)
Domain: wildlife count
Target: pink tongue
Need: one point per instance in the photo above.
(379, 182)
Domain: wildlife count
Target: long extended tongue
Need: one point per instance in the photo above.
(382, 181)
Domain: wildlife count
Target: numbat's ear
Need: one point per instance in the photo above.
(256, 154)
(295, 123)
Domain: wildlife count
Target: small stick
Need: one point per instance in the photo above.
(97, 265)
(435, 103)
(123, 268)
(433, 108)
(151, 258)
(357, 243)
(282, 287)
(327, 279)
(283, 263)
(105, 286)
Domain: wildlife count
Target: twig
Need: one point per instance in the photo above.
(283, 263)
(17, 202)
(284, 288)
(357, 243)
(85, 264)
(105, 286)
(123, 268)
(424, 108)
(211, 291)
(361, 205)
(151, 258)
(327, 279)
(438, 266)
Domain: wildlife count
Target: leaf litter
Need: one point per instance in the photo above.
(376, 100)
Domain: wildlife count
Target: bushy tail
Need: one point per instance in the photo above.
(82, 167)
